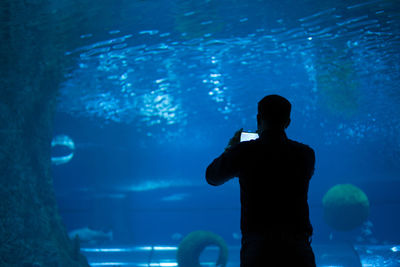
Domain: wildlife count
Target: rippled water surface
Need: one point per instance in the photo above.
(193, 62)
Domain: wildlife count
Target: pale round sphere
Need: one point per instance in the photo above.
(345, 207)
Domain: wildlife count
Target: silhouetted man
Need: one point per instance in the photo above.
(274, 174)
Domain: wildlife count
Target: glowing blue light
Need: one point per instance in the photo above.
(144, 248)
(130, 249)
(102, 250)
(395, 249)
(165, 248)
(113, 250)
(109, 264)
(166, 264)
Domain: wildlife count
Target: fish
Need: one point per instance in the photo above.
(90, 236)
(237, 236)
(176, 236)
(175, 197)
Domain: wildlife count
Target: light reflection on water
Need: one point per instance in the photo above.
(160, 80)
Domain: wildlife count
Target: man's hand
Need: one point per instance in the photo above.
(235, 139)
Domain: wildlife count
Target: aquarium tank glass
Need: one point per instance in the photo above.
(152, 91)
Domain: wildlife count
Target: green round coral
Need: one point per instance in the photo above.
(345, 207)
(193, 244)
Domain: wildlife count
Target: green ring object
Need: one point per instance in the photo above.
(193, 244)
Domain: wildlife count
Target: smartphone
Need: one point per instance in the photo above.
(246, 136)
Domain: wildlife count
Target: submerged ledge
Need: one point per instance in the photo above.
(335, 254)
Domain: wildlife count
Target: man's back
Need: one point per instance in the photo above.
(274, 174)
(274, 180)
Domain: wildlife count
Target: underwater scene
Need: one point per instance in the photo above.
(152, 92)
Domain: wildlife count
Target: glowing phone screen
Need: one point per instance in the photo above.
(248, 136)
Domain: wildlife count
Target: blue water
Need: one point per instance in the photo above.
(155, 94)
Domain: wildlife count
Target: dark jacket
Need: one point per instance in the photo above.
(274, 174)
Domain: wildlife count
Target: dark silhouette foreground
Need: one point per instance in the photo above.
(274, 174)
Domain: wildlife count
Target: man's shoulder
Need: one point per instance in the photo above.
(250, 143)
(300, 146)
(245, 146)
(254, 144)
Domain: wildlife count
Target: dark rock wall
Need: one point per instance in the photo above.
(32, 62)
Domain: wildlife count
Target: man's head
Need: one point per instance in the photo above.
(273, 113)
